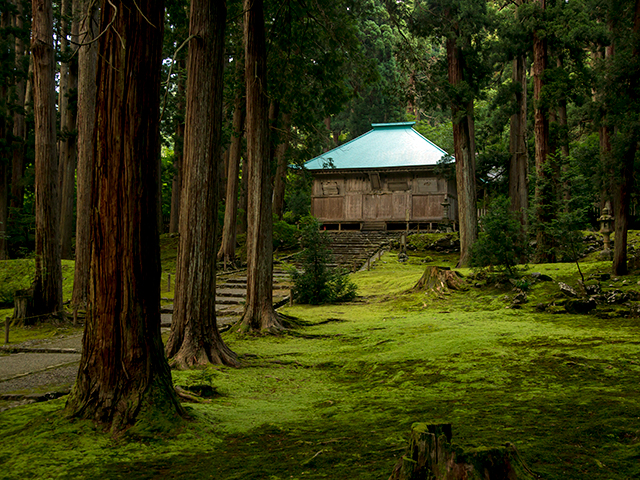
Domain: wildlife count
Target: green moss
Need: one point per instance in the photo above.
(336, 397)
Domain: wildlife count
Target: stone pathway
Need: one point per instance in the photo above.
(52, 364)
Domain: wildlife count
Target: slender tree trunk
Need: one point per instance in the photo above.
(564, 144)
(227, 250)
(519, 163)
(544, 190)
(178, 155)
(259, 313)
(19, 125)
(68, 151)
(87, 89)
(48, 279)
(465, 151)
(194, 338)
(124, 375)
(624, 185)
(280, 181)
(5, 22)
(4, 206)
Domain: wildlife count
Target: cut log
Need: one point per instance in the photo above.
(439, 280)
(431, 456)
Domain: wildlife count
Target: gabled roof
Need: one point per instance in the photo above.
(387, 145)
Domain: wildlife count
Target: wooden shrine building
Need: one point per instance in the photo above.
(382, 180)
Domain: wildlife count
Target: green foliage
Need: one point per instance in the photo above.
(285, 235)
(317, 283)
(501, 243)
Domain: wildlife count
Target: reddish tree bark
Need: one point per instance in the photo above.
(519, 162)
(178, 156)
(544, 190)
(259, 313)
(47, 294)
(87, 89)
(464, 151)
(19, 125)
(124, 375)
(67, 142)
(227, 250)
(194, 338)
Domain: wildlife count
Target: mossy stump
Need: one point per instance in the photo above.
(439, 280)
(432, 456)
(23, 307)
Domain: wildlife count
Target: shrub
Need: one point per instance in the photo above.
(285, 235)
(316, 283)
(502, 242)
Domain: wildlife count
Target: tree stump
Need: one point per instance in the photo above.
(23, 307)
(439, 280)
(431, 456)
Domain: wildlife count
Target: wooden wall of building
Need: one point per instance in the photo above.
(389, 196)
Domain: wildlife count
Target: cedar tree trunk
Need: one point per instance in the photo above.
(227, 250)
(194, 338)
(465, 151)
(280, 181)
(87, 88)
(178, 154)
(624, 186)
(19, 125)
(124, 375)
(544, 184)
(67, 144)
(259, 313)
(47, 296)
(519, 162)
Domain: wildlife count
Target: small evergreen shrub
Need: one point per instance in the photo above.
(502, 243)
(316, 283)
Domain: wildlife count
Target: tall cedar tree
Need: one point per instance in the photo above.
(123, 372)
(87, 88)
(194, 338)
(227, 250)
(259, 313)
(67, 142)
(464, 26)
(47, 295)
(19, 123)
(625, 110)
(544, 182)
(6, 46)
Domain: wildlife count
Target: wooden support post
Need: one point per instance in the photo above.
(6, 329)
(168, 282)
(368, 263)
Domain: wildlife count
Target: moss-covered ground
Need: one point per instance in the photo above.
(336, 396)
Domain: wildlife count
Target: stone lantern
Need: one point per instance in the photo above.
(606, 226)
(446, 216)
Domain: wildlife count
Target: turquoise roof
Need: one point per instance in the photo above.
(386, 145)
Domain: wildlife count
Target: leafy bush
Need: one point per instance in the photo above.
(502, 243)
(316, 283)
(285, 235)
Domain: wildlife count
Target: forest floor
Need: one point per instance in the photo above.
(335, 396)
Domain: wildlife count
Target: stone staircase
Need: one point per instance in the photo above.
(231, 291)
(352, 249)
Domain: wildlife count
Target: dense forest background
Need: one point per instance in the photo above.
(550, 89)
